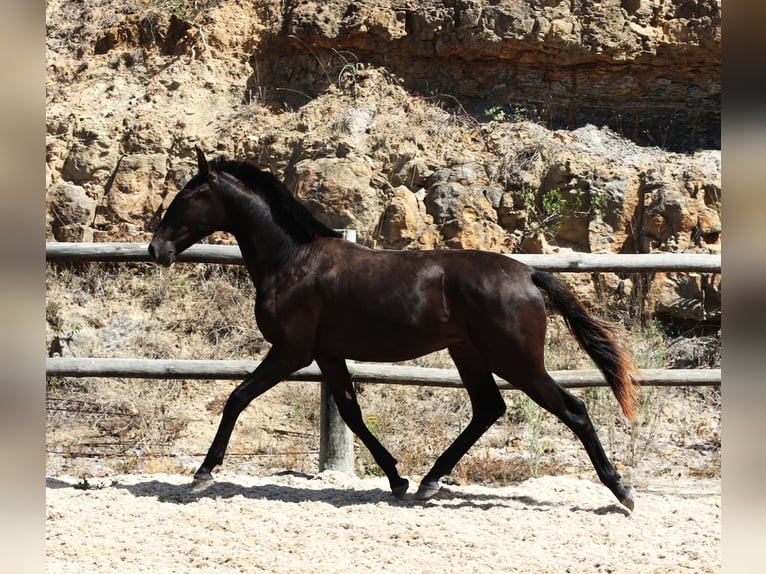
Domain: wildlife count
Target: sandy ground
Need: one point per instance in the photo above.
(331, 522)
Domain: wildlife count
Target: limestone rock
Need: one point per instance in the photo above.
(476, 234)
(137, 189)
(692, 297)
(69, 205)
(403, 219)
(89, 160)
(339, 192)
(71, 212)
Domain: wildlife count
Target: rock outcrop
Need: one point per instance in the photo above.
(419, 124)
(648, 69)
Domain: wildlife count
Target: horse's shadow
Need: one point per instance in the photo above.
(222, 489)
(57, 483)
(447, 497)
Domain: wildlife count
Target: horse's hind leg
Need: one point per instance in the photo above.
(337, 376)
(487, 405)
(571, 410)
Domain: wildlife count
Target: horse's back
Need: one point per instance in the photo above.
(442, 284)
(465, 271)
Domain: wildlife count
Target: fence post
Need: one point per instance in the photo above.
(336, 441)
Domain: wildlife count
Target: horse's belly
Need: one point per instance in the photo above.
(384, 343)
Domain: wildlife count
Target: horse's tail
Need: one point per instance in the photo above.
(596, 339)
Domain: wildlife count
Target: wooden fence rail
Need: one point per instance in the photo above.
(572, 262)
(360, 372)
(336, 449)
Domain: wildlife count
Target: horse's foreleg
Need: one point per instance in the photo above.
(337, 376)
(487, 405)
(271, 371)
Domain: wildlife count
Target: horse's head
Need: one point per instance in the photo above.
(195, 212)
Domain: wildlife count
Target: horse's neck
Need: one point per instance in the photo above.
(255, 268)
(267, 250)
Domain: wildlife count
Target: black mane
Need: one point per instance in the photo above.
(292, 215)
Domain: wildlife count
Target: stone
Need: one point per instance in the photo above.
(137, 190)
(693, 297)
(402, 219)
(69, 205)
(87, 161)
(447, 201)
(73, 233)
(413, 173)
(338, 191)
(474, 233)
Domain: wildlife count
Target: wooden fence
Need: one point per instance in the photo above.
(336, 448)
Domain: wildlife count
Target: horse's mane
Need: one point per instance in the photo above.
(289, 213)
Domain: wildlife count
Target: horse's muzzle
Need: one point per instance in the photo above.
(162, 252)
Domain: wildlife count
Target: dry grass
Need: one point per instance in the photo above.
(136, 423)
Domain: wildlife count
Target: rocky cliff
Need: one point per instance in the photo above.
(648, 69)
(513, 126)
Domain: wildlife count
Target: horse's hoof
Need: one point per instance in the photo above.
(201, 482)
(426, 490)
(628, 502)
(400, 489)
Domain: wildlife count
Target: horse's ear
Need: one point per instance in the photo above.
(202, 165)
(204, 168)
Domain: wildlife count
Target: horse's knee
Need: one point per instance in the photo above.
(237, 401)
(489, 411)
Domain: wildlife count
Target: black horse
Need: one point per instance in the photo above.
(325, 299)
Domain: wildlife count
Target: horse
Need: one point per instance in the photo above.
(322, 298)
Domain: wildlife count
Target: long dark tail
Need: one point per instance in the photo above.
(596, 339)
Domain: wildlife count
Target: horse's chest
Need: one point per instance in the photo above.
(283, 314)
(270, 318)
(266, 317)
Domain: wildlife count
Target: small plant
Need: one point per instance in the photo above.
(62, 335)
(648, 345)
(351, 70)
(53, 315)
(495, 113)
(84, 484)
(601, 407)
(516, 113)
(130, 464)
(532, 415)
(644, 431)
(546, 213)
(370, 467)
(520, 114)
